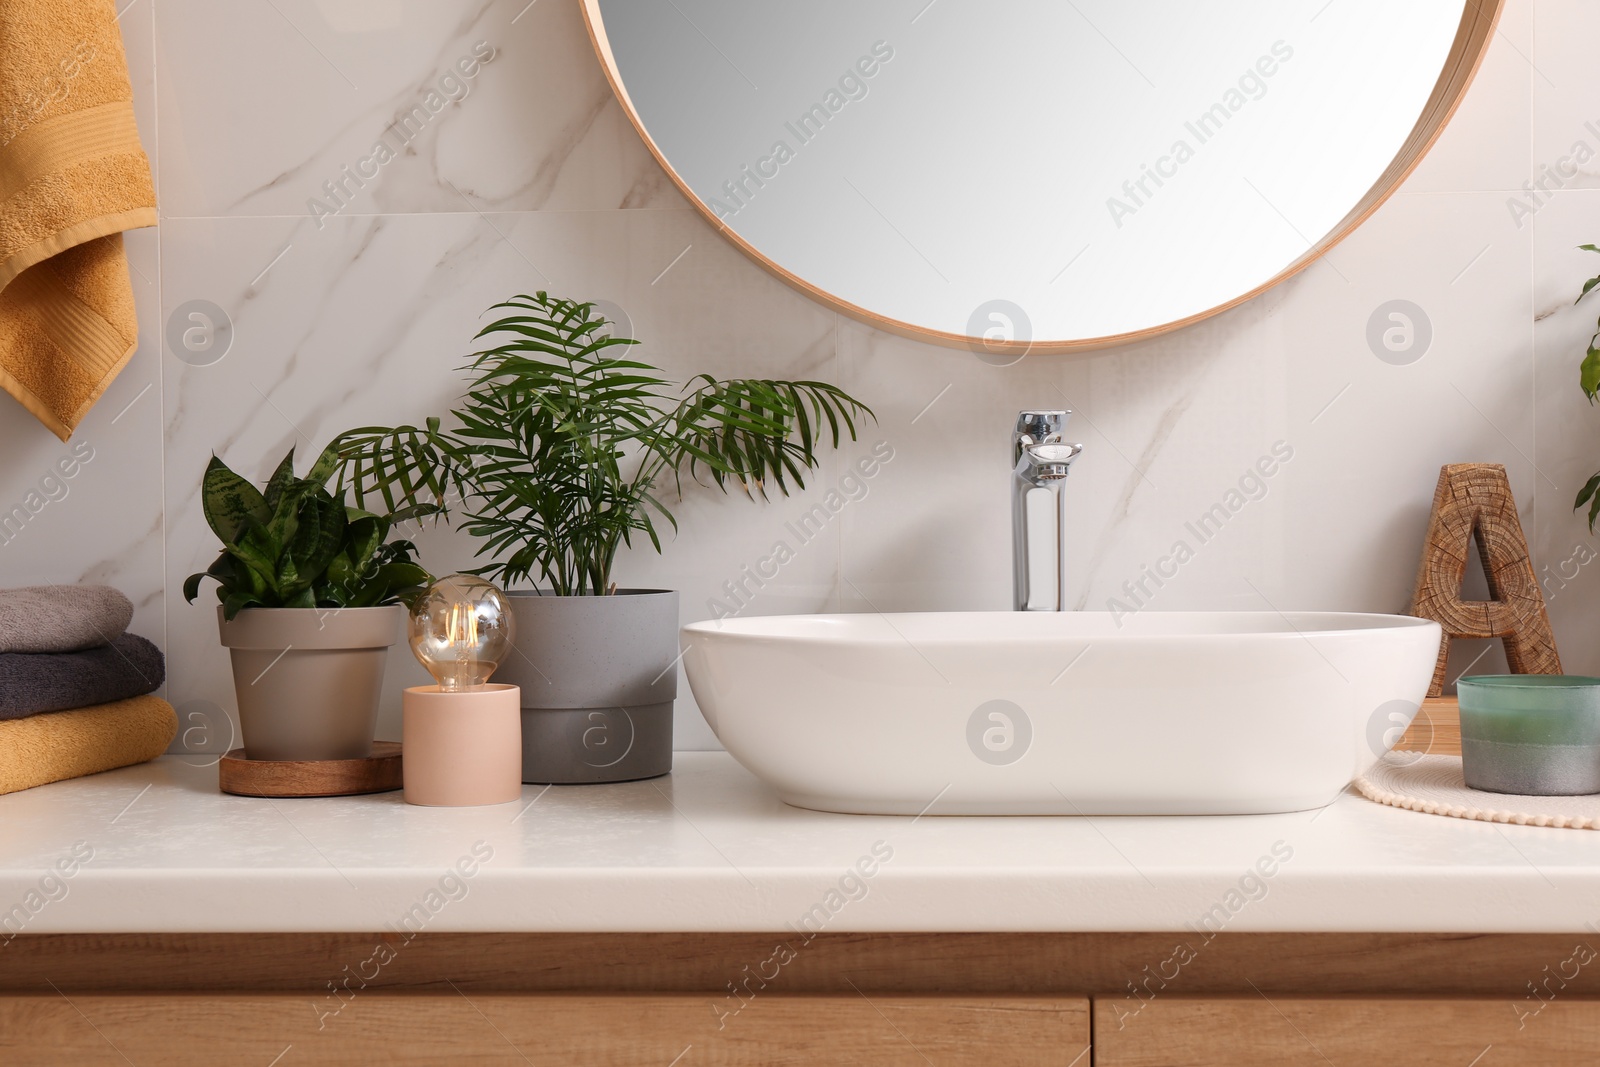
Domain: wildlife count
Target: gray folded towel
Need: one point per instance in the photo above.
(31, 683)
(61, 618)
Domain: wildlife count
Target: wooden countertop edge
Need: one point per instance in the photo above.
(946, 963)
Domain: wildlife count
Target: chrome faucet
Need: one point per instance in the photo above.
(1038, 509)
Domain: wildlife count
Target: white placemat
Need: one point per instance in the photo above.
(1433, 784)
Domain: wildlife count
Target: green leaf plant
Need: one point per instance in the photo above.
(555, 456)
(296, 545)
(1589, 378)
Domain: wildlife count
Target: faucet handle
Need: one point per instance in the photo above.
(1041, 426)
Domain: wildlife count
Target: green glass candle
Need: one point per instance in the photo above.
(1531, 734)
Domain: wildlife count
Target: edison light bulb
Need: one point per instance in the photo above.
(461, 630)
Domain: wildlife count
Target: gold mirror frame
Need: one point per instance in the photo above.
(1478, 24)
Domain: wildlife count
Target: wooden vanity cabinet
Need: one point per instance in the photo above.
(430, 1029)
(1287, 1031)
(681, 1000)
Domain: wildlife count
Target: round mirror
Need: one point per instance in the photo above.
(1047, 175)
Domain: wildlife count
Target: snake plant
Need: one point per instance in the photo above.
(297, 546)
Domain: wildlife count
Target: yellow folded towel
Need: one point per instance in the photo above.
(70, 744)
(72, 177)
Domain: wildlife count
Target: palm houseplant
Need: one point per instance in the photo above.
(310, 596)
(562, 452)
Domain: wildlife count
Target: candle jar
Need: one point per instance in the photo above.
(1531, 734)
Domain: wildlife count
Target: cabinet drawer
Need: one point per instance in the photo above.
(1246, 1031)
(403, 1029)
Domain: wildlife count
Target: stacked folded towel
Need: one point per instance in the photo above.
(71, 744)
(74, 686)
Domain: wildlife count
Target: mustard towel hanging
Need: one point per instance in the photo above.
(73, 176)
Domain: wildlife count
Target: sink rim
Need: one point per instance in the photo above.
(1275, 624)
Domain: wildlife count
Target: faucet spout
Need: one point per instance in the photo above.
(1038, 510)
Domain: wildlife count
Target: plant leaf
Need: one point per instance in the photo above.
(320, 533)
(1587, 491)
(1589, 370)
(236, 602)
(222, 569)
(326, 465)
(264, 565)
(281, 479)
(229, 501)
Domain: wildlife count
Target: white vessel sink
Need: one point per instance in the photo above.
(1060, 713)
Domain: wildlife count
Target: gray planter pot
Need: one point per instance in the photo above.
(598, 677)
(308, 679)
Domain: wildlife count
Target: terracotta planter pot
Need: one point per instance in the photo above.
(308, 679)
(598, 675)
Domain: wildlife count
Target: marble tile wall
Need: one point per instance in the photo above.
(534, 179)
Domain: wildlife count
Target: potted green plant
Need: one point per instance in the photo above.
(554, 459)
(310, 593)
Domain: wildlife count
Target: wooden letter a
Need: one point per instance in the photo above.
(1474, 500)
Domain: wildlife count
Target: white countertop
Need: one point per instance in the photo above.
(711, 849)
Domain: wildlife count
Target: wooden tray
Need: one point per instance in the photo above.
(378, 773)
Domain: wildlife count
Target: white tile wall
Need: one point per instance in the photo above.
(534, 179)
